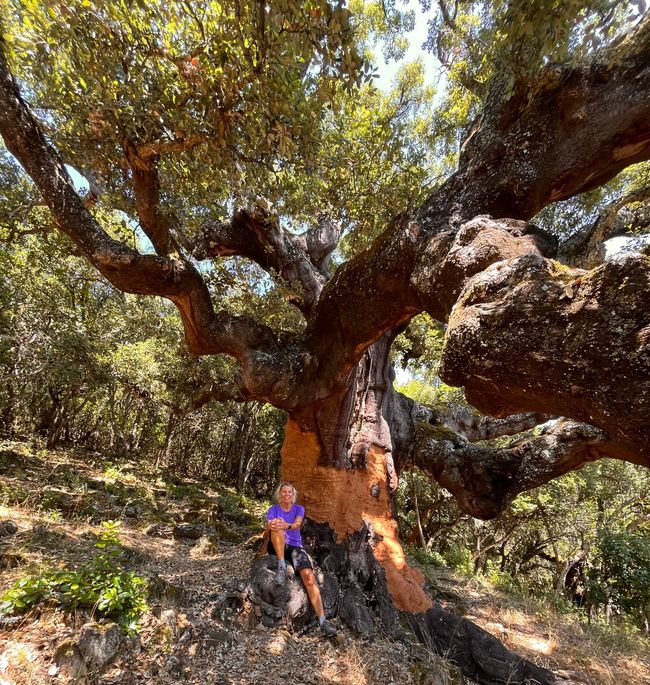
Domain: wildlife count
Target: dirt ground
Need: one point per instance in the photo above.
(185, 636)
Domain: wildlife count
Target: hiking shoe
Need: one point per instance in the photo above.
(328, 630)
(280, 576)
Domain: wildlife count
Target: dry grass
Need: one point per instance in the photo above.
(558, 641)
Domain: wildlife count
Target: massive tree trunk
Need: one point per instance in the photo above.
(340, 455)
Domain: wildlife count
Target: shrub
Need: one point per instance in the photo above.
(101, 585)
(620, 572)
(459, 558)
(426, 557)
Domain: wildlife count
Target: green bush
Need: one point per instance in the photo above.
(100, 585)
(459, 558)
(505, 582)
(426, 557)
(620, 572)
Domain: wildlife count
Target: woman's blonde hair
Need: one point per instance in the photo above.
(284, 484)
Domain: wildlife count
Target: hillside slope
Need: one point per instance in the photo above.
(193, 545)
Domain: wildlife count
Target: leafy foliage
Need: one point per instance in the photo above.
(620, 571)
(597, 516)
(100, 585)
(248, 80)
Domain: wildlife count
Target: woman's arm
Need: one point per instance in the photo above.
(296, 524)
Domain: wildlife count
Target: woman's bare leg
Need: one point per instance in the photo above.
(308, 580)
(277, 538)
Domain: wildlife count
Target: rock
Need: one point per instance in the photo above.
(8, 622)
(191, 531)
(8, 528)
(39, 530)
(226, 532)
(69, 660)
(212, 636)
(165, 592)
(174, 666)
(239, 517)
(11, 560)
(132, 511)
(185, 637)
(158, 530)
(278, 602)
(192, 516)
(99, 643)
(170, 618)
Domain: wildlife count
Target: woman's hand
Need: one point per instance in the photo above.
(279, 524)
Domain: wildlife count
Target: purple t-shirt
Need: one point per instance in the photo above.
(291, 537)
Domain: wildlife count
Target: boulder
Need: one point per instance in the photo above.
(159, 530)
(99, 643)
(8, 528)
(192, 531)
(69, 660)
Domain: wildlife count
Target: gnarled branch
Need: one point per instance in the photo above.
(146, 189)
(474, 427)
(574, 132)
(264, 360)
(257, 234)
(531, 335)
(485, 480)
(586, 249)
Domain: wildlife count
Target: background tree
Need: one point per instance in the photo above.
(83, 364)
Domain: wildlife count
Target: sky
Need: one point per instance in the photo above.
(416, 38)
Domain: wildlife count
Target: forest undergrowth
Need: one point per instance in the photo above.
(88, 540)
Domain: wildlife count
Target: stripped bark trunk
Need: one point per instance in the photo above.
(341, 456)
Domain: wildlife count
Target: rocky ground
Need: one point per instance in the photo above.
(194, 545)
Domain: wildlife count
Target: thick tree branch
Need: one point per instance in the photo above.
(376, 281)
(586, 249)
(474, 427)
(571, 130)
(267, 366)
(151, 151)
(320, 242)
(485, 480)
(257, 234)
(531, 335)
(406, 416)
(471, 249)
(576, 129)
(146, 188)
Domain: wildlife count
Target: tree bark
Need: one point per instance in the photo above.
(339, 455)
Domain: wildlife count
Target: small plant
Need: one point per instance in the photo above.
(459, 558)
(112, 472)
(426, 557)
(54, 515)
(506, 583)
(101, 585)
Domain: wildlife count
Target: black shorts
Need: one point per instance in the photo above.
(296, 556)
